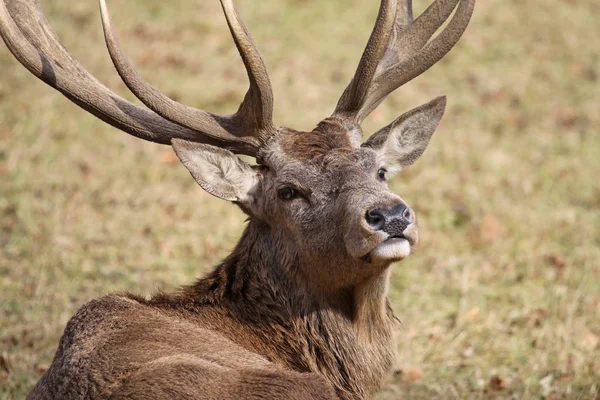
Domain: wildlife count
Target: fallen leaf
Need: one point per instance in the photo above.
(557, 260)
(490, 229)
(566, 117)
(496, 383)
(40, 369)
(472, 314)
(410, 373)
(538, 316)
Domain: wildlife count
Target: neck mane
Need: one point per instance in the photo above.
(260, 298)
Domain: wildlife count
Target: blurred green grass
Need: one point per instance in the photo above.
(502, 299)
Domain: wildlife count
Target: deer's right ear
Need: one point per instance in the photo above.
(218, 171)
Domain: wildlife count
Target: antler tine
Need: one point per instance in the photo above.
(211, 125)
(353, 97)
(413, 62)
(408, 36)
(404, 17)
(251, 125)
(256, 111)
(404, 13)
(415, 35)
(32, 41)
(408, 54)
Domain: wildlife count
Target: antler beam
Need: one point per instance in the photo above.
(30, 38)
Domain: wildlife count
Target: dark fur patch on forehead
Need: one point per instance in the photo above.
(330, 137)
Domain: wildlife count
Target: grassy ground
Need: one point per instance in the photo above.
(502, 300)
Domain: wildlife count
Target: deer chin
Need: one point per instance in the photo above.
(391, 250)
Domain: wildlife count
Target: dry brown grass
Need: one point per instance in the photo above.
(502, 300)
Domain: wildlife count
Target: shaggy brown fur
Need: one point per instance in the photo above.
(329, 136)
(299, 310)
(248, 330)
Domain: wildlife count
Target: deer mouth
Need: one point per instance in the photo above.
(392, 249)
(409, 238)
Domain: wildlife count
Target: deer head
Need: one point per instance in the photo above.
(323, 192)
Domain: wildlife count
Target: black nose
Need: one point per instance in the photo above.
(393, 222)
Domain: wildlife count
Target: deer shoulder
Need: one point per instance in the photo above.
(118, 347)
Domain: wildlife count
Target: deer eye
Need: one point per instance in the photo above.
(381, 174)
(287, 194)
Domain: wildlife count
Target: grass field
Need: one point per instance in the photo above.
(501, 300)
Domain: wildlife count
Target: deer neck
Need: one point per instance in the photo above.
(264, 260)
(344, 334)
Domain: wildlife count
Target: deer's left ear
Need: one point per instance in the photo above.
(401, 143)
(218, 171)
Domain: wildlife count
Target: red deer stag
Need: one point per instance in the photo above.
(299, 309)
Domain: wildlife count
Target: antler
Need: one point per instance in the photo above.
(398, 51)
(30, 38)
